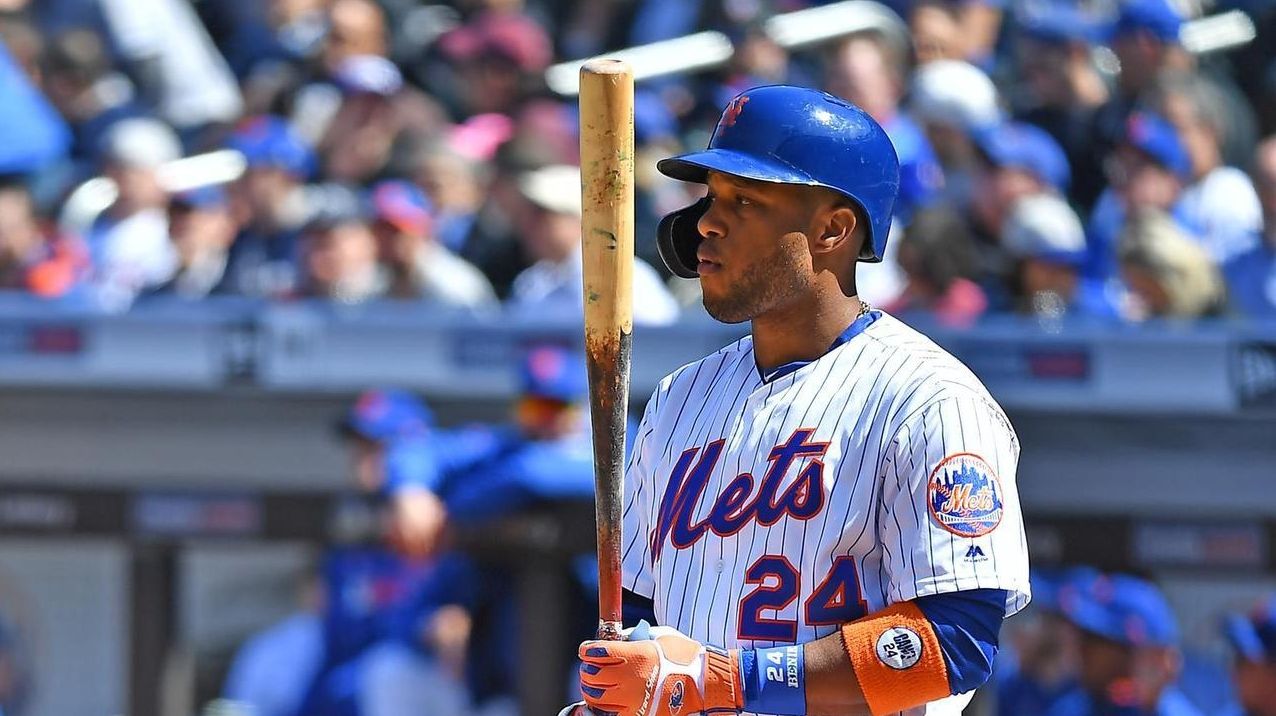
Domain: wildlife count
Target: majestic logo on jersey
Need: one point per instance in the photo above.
(739, 504)
(975, 554)
(964, 496)
(732, 112)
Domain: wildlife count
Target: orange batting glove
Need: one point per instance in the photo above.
(659, 672)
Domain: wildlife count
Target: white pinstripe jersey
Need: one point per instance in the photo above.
(763, 513)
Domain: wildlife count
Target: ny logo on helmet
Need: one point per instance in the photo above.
(733, 111)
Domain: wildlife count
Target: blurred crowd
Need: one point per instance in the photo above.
(397, 618)
(1094, 643)
(1061, 158)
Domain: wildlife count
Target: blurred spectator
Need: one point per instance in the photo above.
(1059, 86)
(268, 52)
(552, 286)
(81, 83)
(352, 28)
(383, 430)
(356, 28)
(1045, 242)
(1219, 202)
(493, 241)
(269, 205)
(201, 229)
(1252, 638)
(33, 258)
(498, 57)
(354, 106)
(256, 33)
(454, 182)
(339, 250)
(937, 255)
(391, 597)
(1129, 650)
(1148, 170)
(1039, 657)
(1251, 277)
(418, 266)
(377, 117)
(1145, 39)
(129, 241)
(954, 100)
(1022, 160)
(1169, 274)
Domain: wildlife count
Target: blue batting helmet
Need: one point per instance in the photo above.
(789, 135)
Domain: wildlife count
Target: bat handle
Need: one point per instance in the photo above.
(609, 630)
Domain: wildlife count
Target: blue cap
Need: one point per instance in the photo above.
(1156, 137)
(269, 141)
(411, 462)
(1020, 145)
(1158, 18)
(554, 372)
(1253, 635)
(1122, 608)
(204, 197)
(383, 415)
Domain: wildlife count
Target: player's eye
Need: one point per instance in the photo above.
(743, 200)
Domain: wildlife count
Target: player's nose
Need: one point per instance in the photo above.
(710, 224)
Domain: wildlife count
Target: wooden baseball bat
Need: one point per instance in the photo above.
(607, 238)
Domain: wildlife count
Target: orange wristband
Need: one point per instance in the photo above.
(897, 659)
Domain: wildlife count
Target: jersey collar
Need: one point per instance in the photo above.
(858, 326)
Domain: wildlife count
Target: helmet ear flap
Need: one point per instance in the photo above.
(678, 238)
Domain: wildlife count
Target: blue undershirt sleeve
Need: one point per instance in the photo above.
(967, 624)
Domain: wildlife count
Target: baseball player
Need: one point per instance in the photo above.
(821, 517)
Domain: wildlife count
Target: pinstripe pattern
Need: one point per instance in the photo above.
(891, 406)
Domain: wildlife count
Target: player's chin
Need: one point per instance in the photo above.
(724, 309)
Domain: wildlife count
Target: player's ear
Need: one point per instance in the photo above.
(837, 229)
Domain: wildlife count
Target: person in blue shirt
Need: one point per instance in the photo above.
(387, 601)
(393, 604)
(1251, 277)
(1252, 637)
(543, 453)
(1129, 651)
(1148, 170)
(1145, 39)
